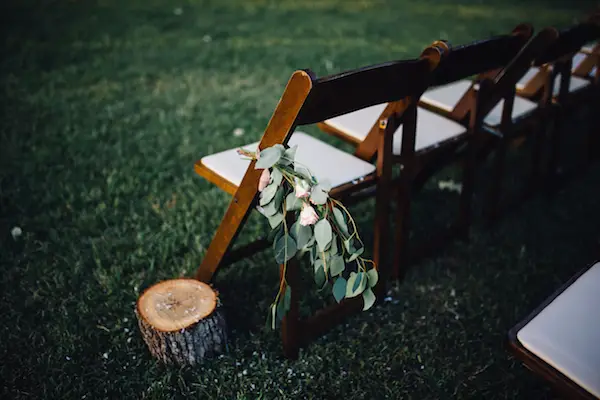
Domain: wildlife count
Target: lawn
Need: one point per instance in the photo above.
(105, 107)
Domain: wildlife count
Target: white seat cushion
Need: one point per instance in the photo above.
(432, 129)
(446, 97)
(566, 334)
(575, 84)
(325, 162)
(578, 58)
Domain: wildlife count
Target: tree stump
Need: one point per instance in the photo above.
(181, 321)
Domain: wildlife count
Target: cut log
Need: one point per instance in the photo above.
(181, 321)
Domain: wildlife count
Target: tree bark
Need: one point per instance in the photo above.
(181, 321)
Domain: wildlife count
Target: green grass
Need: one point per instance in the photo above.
(105, 107)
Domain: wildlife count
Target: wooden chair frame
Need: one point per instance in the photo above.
(307, 100)
(563, 384)
(485, 58)
(556, 63)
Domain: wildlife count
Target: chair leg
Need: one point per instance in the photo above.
(401, 256)
(497, 179)
(290, 325)
(468, 185)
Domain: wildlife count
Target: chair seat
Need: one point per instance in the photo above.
(566, 333)
(432, 129)
(578, 58)
(446, 97)
(575, 84)
(324, 161)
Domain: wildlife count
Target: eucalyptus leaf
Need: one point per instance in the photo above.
(318, 264)
(336, 265)
(318, 195)
(349, 245)
(357, 282)
(340, 221)
(333, 248)
(323, 234)
(269, 156)
(350, 283)
(368, 299)
(276, 177)
(275, 234)
(275, 220)
(287, 298)
(356, 254)
(292, 203)
(320, 277)
(301, 234)
(285, 249)
(339, 289)
(290, 154)
(278, 199)
(267, 194)
(373, 276)
(270, 209)
(273, 316)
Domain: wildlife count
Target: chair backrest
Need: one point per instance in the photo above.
(502, 86)
(309, 100)
(481, 56)
(570, 41)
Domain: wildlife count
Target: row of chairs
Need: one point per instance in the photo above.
(421, 114)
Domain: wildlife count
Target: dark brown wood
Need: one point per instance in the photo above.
(562, 383)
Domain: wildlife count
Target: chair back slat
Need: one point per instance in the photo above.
(481, 56)
(570, 41)
(335, 95)
(504, 83)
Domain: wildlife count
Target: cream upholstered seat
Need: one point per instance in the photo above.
(566, 333)
(446, 97)
(578, 58)
(432, 129)
(575, 83)
(324, 161)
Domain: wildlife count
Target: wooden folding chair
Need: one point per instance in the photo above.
(307, 100)
(555, 72)
(438, 138)
(560, 340)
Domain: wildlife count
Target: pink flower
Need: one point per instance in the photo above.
(264, 180)
(308, 215)
(302, 188)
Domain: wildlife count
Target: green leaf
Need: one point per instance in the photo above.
(270, 209)
(323, 234)
(333, 248)
(292, 203)
(269, 156)
(287, 299)
(356, 284)
(275, 220)
(285, 249)
(290, 154)
(373, 276)
(356, 254)
(336, 265)
(340, 220)
(320, 277)
(318, 195)
(350, 283)
(273, 316)
(276, 177)
(301, 234)
(275, 234)
(368, 299)
(267, 195)
(339, 289)
(349, 245)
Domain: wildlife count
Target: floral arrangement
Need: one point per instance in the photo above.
(322, 227)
